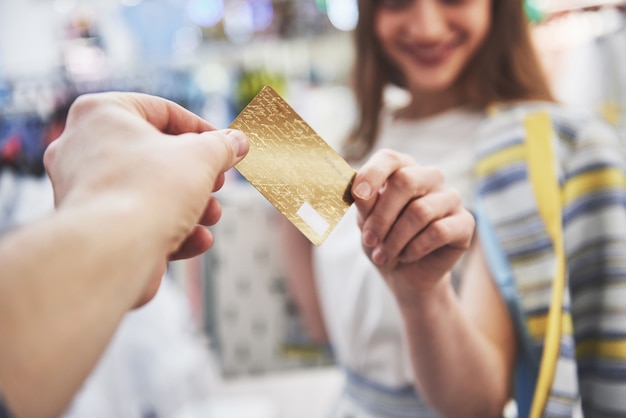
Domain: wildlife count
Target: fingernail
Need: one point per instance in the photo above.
(369, 239)
(363, 190)
(240, 141)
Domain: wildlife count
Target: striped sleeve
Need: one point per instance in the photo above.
(594, 220)
(592, 362)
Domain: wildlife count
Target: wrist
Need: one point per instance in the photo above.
(123, 213)
(423, 299)
(117, 230)
(141, 212)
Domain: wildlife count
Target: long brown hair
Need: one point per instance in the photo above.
(504, 69)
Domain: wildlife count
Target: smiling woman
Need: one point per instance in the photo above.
(422, 330)
(430, 43)
(481, 53)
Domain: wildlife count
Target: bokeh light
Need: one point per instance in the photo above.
(205, 13)
(238, 21)
(262, 14)
(343, 14)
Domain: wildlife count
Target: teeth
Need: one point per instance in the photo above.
(429, 53)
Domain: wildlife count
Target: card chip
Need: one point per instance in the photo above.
(313, 219)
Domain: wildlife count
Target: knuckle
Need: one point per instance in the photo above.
(49, 155)
(389, 154)
(376, 218)
(455, 197)
(369, 175)
(87, 105)
(407, 180)
(397, 158)
(376, 222)
(437, 174)
(403, 179)
(224, 143)
(438, 232)
(418, 211)
(418, 248)
(86, 102)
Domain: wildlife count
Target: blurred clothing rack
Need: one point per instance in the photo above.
(33, 110)
(577, 26)
(582, 43)
(560, 6)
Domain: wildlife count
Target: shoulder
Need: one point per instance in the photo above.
(582, 129)
(569, 123)
(574, 131)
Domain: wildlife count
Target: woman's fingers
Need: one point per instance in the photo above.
(399, 182)
(417, 215)
(407, 213)
(372, 177)
(452, 232)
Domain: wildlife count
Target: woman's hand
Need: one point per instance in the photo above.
(413, 226)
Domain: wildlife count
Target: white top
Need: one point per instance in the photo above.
(361, 314)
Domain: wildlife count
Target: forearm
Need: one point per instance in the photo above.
(458, 370)
(300, 280)
(53, 333)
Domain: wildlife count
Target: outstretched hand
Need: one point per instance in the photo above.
(414, 228)
(145, 154)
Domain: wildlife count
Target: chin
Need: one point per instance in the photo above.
(434, 80)
(431, 86)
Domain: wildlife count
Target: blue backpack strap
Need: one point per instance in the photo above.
(542, 175)
(527, 365)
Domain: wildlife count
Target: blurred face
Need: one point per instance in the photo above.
(431, 41)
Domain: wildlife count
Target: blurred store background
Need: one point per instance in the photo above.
(222, 338)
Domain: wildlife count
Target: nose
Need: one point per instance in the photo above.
(426, 20)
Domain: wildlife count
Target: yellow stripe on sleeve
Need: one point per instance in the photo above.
(491, 163)
(593, 181)
(611, 350)
(536, 325)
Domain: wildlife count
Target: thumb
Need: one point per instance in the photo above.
(235, 146)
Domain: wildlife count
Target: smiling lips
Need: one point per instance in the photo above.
(432, 55)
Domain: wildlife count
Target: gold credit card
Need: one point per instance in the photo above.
(293, 167)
